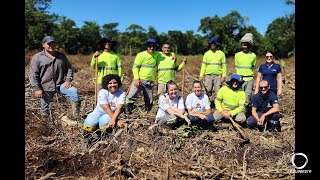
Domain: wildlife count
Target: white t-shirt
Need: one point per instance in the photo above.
(199, 103)
(105, 97)
(165, 103)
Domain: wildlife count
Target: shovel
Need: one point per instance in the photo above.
(246, 140)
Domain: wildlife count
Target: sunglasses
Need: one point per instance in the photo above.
(263, 87)
(268, 56)
(151, 45)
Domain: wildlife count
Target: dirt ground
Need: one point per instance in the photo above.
(55, 149)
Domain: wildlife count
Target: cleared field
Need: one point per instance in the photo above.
(142, 151)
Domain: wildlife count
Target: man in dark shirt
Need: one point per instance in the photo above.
(50, 72)
(265, 109)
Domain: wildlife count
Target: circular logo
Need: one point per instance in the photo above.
(299, 154)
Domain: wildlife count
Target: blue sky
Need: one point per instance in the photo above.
(166, 15)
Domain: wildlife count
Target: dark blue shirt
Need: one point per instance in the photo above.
(270, 73)
(264, 105)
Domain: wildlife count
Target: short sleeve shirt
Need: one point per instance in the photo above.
(105, 97)
(165, 102)
(270, 73)
(200, 103)
(264, 105)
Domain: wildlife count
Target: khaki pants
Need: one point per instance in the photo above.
(213, 84)
(247, 86)
(146, 87)
(240, 118)
(161, 89)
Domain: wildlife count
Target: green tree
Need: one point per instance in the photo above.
(227, 29)
(281, 35)
(89, 37)
(68, 35)
(37, 23)
(110, 29)
(136, 36)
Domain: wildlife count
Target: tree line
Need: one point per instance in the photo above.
(279, 37)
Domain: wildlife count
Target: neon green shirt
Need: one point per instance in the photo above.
(167, 68)
(230, 100)
(144, 66)
(108, 63)
(245, 63)
(214, 63)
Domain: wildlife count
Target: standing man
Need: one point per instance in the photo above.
(143, 70)
(168, 65)
(245, 62)
(109, 61)
(265, 109)
(50, 72)
(213, 68)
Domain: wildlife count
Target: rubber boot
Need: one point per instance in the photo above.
(128, 108)
(87, 137)
(76, 109)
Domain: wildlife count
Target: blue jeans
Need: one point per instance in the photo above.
(252, 122)
(95, 119)
(71, 93)
(195, 120)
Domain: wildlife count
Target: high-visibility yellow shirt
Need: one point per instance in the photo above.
(144, 66)
(245, 64)
(167, 68)
(214, 63)
(108, 63)
(230, 100)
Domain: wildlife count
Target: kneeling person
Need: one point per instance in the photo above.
(230, 101)
(109, 105)
(198, 105)
(171, 106)
(265, 109)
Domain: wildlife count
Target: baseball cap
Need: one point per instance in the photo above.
(48, 39)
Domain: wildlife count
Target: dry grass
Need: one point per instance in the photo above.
(55, 149)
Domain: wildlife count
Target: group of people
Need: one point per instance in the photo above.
(51, 72)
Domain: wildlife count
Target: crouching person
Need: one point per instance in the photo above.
(265, 109)
(171, 107)
(230, 101)
(109, 106)
(198, 105)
